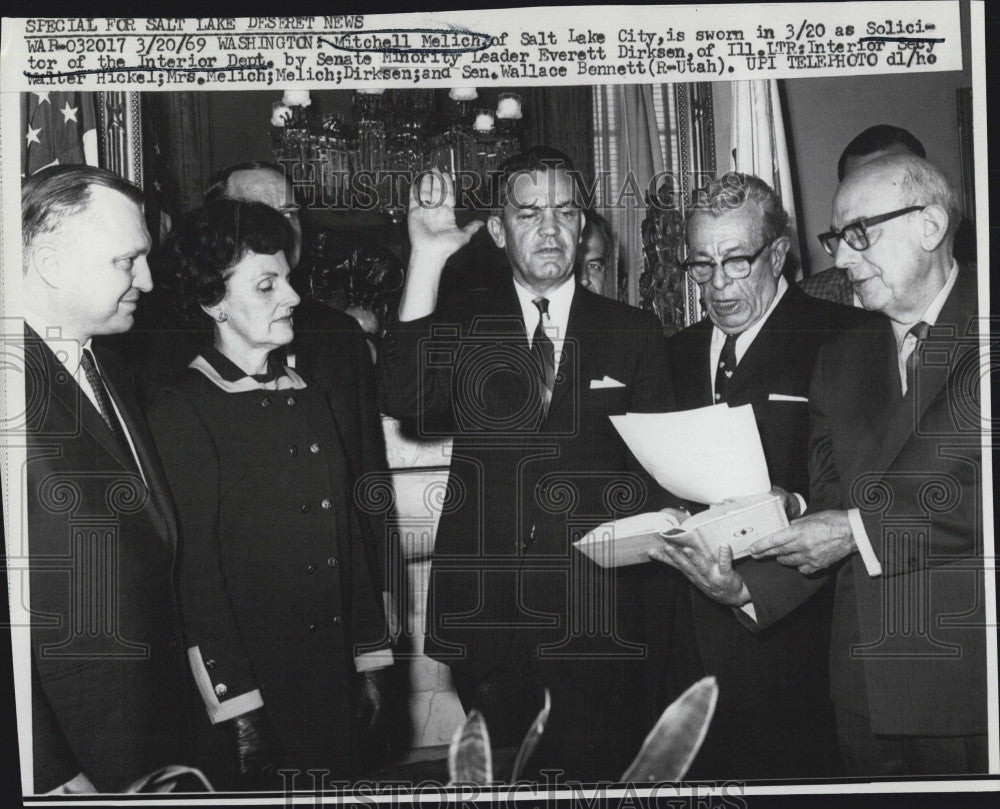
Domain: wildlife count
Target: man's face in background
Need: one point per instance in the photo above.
(593, 258)
(271, 188)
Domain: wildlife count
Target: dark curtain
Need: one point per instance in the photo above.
(176, 145)
(562, 118)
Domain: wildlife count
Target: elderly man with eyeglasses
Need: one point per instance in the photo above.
(895, 516)
(757, 346)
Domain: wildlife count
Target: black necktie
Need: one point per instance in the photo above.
(104, 404)
(544, 352)
(919, 330)
(727, 364)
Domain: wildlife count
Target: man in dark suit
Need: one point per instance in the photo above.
(757, 346)
(896, 488)
(107, 665)
(525, 377)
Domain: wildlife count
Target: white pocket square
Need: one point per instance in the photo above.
(780, 397)
(607, 382)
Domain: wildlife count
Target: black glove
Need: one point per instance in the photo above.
(257, 749)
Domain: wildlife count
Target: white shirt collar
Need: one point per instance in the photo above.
(66, 350)
(933, 310)
(746, 337)
(560, 300)
(69, 352)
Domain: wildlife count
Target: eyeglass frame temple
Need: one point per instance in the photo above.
(865, 222)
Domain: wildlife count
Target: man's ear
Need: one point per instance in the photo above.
(495, 226)
(779, 251)
(48, 261)
(934, 221)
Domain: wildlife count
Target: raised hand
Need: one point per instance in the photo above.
(431, 219)
(434, 236)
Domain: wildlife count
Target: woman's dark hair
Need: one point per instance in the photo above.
(209, 241)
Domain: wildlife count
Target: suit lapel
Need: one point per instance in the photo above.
(875, 394)
(581, 345)
(690, 356)
(159, 505)
(946, 339)
(759, 360)
(69, 395)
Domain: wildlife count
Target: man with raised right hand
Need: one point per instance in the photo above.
(524, 377)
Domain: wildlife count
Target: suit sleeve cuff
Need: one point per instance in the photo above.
(220, 711)
(749, 611)
(864, 545)
(369, 661)
(802, 503)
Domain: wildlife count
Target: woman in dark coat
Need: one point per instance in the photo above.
(281, 616)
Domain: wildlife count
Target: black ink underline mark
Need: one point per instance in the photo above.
(206, 33)
(929, 40)
(148, 69)
(487, 41)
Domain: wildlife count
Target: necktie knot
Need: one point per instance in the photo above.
(542, 304)
(729, 347)
(920, 330)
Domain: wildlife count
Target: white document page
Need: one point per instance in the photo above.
(705, 455)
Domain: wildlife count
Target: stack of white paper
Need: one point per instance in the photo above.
(705, 455)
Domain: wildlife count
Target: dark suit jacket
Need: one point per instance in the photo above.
(785, 667)
(331, 350)
(108, 673)
(522, 489)
(908, 647)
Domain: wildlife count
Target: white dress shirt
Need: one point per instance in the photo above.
(745, 339)
(907, 342)
(743, 342)
(557, 319)
(70, 353)
(905, 345)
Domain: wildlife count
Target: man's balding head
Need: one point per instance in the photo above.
(881, 140)
(908, 257)
(259, 182)
(84, 250)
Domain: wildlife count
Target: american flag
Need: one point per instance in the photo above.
(58, 128)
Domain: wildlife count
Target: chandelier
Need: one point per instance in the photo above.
(370, 161)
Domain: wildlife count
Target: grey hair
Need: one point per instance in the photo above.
(732, 191)
(923, 183)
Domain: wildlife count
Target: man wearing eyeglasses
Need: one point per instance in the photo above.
(757, 346)
(895, 467)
